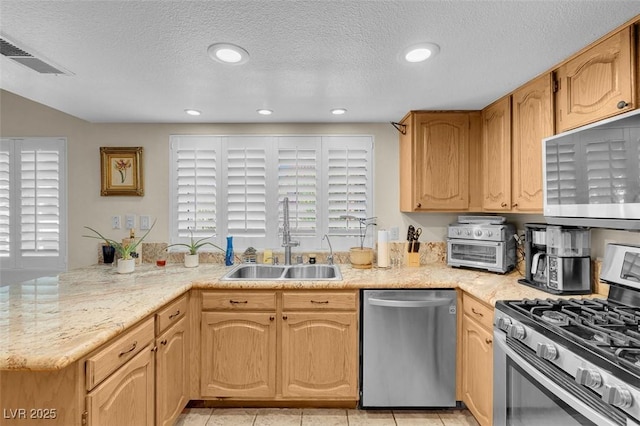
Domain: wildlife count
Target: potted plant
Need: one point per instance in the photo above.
(126, 262)
(191, 258)
(362, 257)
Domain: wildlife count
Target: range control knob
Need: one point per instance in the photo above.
(547, 351)
(458, 231)
(516, 331)
(489, 233)
(478, 233)
(503, 323)
(588, 377)
(467, 232)
(617, 396)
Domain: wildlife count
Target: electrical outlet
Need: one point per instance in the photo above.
(115, 222)
(130, 221)
(145, 223)
(394, 233)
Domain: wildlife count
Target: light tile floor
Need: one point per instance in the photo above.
(321, 417)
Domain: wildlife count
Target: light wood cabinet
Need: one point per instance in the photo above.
(596, 84)
(238, 352)
(532, 120)
(172, 384)
(279, 345)
(320, 345)
(434, 161)
(496, 155)
(477, 359)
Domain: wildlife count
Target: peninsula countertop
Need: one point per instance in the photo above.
(49, 323)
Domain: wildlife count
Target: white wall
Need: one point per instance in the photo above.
(21, 117)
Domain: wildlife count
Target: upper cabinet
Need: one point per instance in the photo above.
(597, 83)
(532, 120)
(496, 155)
(434, 161)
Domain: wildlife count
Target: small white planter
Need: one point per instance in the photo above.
(126, 266)
(191, 260)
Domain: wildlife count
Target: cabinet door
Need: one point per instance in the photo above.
(596, 84)
(238, 354)
(320, 355)
(441, 161)
(532, 121)
(477, 370)
(127, 396)
(172, 373)
(496, 156)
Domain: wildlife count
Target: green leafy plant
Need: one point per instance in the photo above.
(123, 250)
(195, 245)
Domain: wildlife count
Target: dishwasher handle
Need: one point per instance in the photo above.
(392, 303)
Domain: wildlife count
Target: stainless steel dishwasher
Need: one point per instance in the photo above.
(408, 348)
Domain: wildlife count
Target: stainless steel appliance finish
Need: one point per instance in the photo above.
(590, 174)
(557, 267)
(570, 361)
(408, 348)
(482, 242)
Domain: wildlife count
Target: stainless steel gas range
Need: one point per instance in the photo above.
(572, 361)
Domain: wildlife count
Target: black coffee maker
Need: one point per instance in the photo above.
(557, 258)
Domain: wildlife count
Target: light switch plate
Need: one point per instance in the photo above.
(394, 233)
(115, 222)
(144, 223)
(130, 221)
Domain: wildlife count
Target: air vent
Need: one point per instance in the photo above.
(22, 56)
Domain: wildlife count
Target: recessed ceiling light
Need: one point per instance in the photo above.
(265, 112)
(338, 111)
(228, 53)
(420, 52)
(192, 111)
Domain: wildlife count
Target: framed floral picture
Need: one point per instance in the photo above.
(121, 171)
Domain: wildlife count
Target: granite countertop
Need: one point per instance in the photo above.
(49, 323)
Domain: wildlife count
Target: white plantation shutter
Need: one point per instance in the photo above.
(237, 183)
(247, 187)
(194, 187)
(33, 204)
(298, 174)
(5, 199)
(349, 183)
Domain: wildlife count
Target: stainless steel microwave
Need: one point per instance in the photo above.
(591, 175)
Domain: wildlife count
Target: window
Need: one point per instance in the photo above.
(235, 185)
(33, 205)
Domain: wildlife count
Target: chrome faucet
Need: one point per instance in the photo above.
(286, 233)
(330, 257)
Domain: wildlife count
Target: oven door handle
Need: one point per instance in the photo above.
(568, 398)
(485, 243)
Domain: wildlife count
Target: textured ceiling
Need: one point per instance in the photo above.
(146, 61)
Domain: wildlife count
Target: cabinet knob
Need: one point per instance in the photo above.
(514, 205)
(503, 205)
(489, 340)
(271, 318)
(622, 105)
(154, 349)
(284, 317)
(419, 205)
(163, 342)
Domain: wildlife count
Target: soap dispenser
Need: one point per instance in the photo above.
(228, 258)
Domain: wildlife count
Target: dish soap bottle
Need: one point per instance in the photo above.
(228, 258)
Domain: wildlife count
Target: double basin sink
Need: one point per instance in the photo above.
(262, 272)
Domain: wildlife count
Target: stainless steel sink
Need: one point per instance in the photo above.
(259, 272)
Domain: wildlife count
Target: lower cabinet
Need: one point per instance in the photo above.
(279, 345)
(127, 396)
(477, 359)
(172, 385)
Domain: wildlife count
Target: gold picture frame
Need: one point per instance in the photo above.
(121, 171)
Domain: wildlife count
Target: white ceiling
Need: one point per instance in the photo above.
(146, 61)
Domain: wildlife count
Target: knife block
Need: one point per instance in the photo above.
(413, 259)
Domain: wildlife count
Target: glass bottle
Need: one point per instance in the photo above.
(228, 258)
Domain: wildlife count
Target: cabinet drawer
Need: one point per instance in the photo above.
(243, 301)
(319, 300)
(118, 352)
(171, 313)
(478, 311)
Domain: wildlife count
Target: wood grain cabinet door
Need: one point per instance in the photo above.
(320, 355)
(532, 120)
(127, 396)
(441, 161)
(597, 83)
(496, 155)
(172, 373)
(238, 354)
(477, 370)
